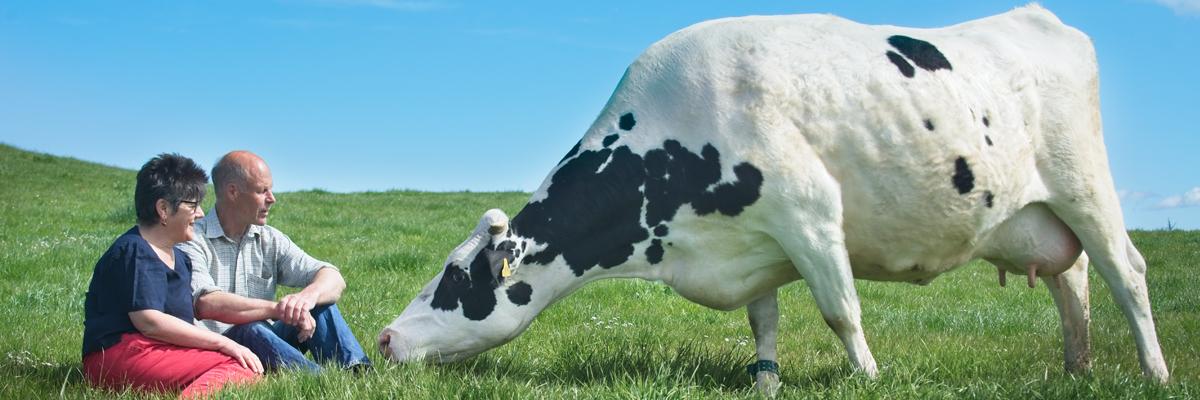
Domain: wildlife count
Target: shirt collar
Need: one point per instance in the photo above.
(213, 229)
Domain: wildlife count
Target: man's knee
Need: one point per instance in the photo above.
(325, 309)
(257, 336)
(251, 329)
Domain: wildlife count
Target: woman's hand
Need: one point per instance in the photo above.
(243, 355)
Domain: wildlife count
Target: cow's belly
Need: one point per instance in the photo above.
(924, 167)
(910, 217)
(725, 271)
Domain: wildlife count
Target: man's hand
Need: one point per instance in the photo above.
(294, 308)
(306, 328)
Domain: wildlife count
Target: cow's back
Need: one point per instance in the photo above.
(928, 160)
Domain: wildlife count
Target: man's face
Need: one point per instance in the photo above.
(254, 199)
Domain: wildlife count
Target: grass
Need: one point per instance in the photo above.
(960, 337)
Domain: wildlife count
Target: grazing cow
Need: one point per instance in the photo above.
(740, 154)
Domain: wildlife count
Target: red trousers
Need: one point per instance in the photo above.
(147, 364)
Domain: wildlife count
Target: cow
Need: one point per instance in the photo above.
(738, 155)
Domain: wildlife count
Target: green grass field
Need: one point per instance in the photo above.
(963, 336)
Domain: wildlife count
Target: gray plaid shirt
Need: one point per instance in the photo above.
(251, 268)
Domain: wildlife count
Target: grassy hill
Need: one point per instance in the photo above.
(962, 336)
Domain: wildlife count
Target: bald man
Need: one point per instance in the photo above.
(238, 260)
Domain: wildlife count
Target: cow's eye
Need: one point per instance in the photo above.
(457, 275)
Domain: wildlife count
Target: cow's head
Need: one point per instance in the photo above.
(477, 302)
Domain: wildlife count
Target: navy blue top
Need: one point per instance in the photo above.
(130, 277)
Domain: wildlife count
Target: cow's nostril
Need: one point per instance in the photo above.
(384, 339)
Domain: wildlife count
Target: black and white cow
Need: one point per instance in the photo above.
(740, 154)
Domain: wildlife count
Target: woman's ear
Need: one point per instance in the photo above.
(164, 210)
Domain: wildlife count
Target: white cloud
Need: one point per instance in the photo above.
(1128, 196)
(1189, 199)
(1182, 7)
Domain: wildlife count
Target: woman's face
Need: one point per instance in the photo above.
(179, 224)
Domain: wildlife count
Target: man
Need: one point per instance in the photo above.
(237, 261)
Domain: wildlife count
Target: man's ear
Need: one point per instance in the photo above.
(231, 190)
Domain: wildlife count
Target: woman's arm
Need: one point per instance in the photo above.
(157, 325)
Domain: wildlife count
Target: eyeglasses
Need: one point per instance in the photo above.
(195, 204)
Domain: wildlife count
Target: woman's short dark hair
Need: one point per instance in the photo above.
(168, 176)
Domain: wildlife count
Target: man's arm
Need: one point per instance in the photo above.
(326, 288)
(233, 309)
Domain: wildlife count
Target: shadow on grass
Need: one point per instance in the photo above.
(686, 365)
(820, 378)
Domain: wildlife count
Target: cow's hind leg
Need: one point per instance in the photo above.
(1070, 292)
(1122, 267)
(764, 322)
(819, 253)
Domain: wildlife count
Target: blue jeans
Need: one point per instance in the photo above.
(276, 345)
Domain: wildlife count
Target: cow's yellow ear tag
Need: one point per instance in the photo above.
(505, 271)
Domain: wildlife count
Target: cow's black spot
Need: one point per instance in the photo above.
(963, 179)
(922, 53)
(453, 280)
(476, 291)
(519, 293)
(610, 139)
(676, 176)
(661, 230)
(626, 122)
(928, 124)
(590, 218)
(593, 217)
(731, 198)
(988, 198)
(573, 151)
(988, 139)
(986, 122)
(906, 69)
(654, 253)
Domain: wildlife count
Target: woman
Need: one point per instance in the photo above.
(138, 316)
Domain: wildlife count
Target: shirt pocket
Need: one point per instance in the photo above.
(259, 287)
(257, 264)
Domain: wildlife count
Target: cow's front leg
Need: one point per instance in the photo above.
(1070, 292)
(821, 257)
(764, 322)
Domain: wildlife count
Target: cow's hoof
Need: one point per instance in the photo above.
(767, 383)
(1157, 373)
(869, 369)
(766, 376)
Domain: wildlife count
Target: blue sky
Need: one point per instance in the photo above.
(355, 95)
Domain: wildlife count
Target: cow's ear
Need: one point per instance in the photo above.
(502, 265)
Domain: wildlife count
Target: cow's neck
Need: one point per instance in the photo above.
(556, 274)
